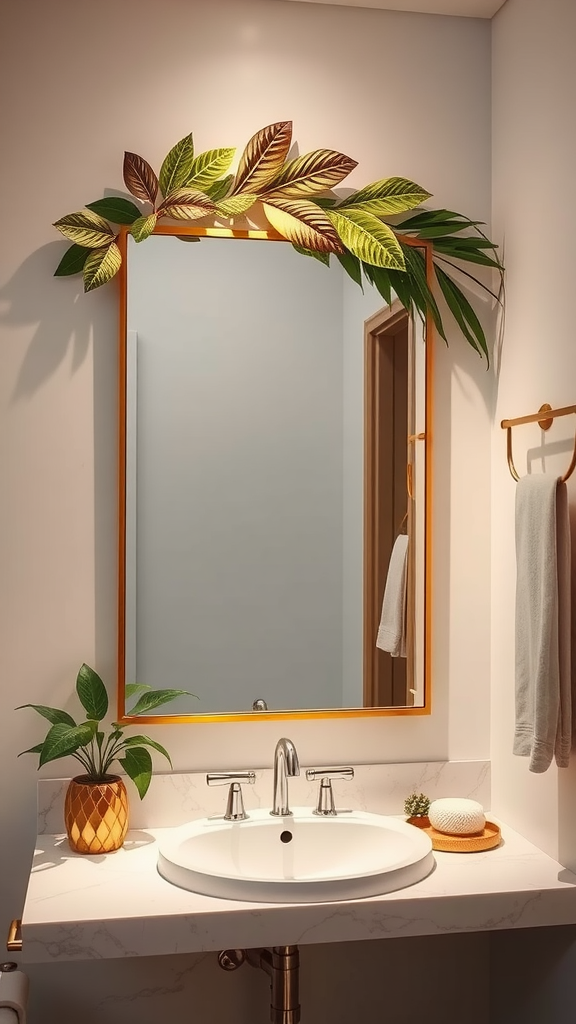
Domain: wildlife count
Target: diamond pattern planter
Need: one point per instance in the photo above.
(96, 814)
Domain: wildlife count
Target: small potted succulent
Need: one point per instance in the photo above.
(416, 807)
(96, 804)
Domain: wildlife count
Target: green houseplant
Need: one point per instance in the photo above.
(416, 807)
(96, 805)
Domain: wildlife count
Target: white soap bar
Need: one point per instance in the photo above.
(457, 816)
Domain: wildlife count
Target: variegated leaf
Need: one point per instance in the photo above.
(176, 167)
(101, 266)
(139, 178)
(304, 224)
(323, 257)
(208, 167)
(236, 205)
(187, 204)
(311, 173)
(263, 157)
(389, 195)
(143, 227)
(85, 228)
(368, 238)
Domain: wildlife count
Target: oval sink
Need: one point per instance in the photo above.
(304, 858)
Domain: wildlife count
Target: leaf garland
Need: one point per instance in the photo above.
(295, 196)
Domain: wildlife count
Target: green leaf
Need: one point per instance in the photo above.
(101, 266)
(63, 740)
(325, 202)
(145, 741)
(54, 715)
(468, 249)
(153, 699)
(368, 238)
(463, 313)
(438, 230)
(389, 195)
(430, 218)
(115, 209)
(322, 257)
(86, 228)
(208, 167)
(143, 227)
(219, 190)
(131, 688)
(177, 166)
(72, 261)
(416, 268)
(401, 284)
(352, 266)
(380, 278)
(138, 766)
(92, 693)
(33, 750)
(476, 280)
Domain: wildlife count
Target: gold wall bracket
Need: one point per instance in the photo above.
(14, 940)
(544, 418)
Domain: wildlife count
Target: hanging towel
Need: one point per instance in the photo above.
(543, 669)
(392, 631)
(13, 997)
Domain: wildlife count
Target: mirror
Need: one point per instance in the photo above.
(274, 482)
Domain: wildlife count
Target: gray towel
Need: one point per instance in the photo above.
(543, 669)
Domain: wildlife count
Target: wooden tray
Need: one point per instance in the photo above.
(485, 840)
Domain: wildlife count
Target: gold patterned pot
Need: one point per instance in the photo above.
(96, 814)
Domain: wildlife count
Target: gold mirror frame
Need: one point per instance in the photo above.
(372, 712)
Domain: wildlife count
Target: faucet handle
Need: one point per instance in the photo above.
(235, 804)
(325, 804)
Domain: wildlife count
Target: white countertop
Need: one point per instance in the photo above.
(85, 908)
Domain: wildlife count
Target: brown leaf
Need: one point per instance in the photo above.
(139, 178)
(187, 204)
(263, 157)
(312, 173)
(304, 224)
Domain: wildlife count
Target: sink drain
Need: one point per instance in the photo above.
(286, 837)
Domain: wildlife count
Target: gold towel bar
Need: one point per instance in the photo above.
(544, 418)
(14, 940)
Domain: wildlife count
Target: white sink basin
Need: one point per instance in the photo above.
(303, 858)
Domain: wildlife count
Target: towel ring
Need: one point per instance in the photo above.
(544, 417)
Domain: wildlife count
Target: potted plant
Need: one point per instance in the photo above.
(416, 807)
(96, 804)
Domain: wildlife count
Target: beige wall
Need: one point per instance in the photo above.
(534, 151)
(403, 94)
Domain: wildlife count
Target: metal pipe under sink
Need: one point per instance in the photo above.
(282, 965)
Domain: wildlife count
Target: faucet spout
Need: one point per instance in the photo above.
(286, 765)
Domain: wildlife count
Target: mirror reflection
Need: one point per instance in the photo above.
(274, 434)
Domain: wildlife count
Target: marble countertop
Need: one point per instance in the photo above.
(85, 908)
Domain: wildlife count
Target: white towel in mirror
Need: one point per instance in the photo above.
(392, 630)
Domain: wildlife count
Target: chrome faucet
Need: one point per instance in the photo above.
(286, 765)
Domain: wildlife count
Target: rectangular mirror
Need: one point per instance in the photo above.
(274, 483)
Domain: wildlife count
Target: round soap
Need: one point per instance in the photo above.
(457, 817)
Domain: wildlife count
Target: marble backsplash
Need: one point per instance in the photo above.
(175, 798)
